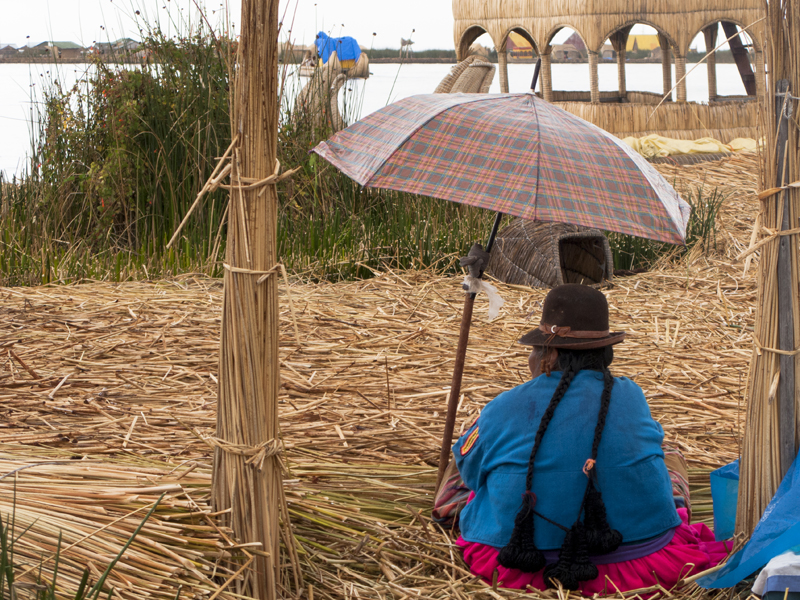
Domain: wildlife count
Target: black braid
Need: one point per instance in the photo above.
(521, 551)
(566, 379)
(600, 538)
(605, 401)
(573, 565)
(593, 536)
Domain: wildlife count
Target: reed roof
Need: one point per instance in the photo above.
(679, 20)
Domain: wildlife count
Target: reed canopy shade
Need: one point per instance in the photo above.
(679, 21)
(549, 254)
(510, 23)
(511, 153)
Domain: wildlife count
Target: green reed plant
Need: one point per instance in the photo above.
(119, 158)
(116, 162)
(635, 253)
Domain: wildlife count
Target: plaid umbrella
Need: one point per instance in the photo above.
(514, 154)
(511, 153)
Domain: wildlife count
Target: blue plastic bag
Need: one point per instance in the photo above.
(776, 532)
(346, 48)
(725, 495)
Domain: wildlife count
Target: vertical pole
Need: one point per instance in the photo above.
(502, 64)
(740, 56)
(786, 385)
(247, 406)
(458, 368)
(680, 77)
(547, 77)
(594, 81)
(710, 34)
(619, 42)
(760, 75)
(666, 64)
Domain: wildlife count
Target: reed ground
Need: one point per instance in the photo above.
(118, 381)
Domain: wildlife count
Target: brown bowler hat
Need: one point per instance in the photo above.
(574, 316)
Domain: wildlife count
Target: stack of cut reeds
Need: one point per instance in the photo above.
(123, 378)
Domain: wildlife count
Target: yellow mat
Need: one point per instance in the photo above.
(653, 146)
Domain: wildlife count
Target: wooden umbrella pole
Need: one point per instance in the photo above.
(458, 368)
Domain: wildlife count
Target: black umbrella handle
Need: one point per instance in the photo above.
(492, 235)
(536, 74)
(495, 226)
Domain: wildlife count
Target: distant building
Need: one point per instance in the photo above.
(519, 49)
(121, 47)
(608, 52)
(567, 53)
(576, 42)
(572, 50)
(127, 45)
(60, 49)
(642, 42)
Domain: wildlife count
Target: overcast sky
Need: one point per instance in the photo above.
(85, 21)
(428, 22)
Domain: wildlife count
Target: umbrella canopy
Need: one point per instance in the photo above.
(511, 153)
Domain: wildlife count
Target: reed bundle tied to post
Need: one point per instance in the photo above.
(772, 389)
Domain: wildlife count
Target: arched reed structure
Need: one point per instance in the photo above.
(677, 23)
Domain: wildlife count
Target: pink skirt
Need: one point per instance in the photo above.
(691, 551)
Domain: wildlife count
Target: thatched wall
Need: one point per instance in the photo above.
(632, 97)
(679, 20)
(687, 121)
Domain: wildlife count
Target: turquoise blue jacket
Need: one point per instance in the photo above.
(492, 457)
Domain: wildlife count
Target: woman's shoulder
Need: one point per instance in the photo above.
(626, 385)
(511, 401)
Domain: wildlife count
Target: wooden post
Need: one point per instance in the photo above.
(666, 64)
(547, 76)
(594, 80)
(760, 75)
(680, 77)
(710, 34)
(247, 405)
(619, 42)
(741, 56)
(455, 387)
(502, 64)
(786, 385)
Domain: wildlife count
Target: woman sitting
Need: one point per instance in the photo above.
(580, 448)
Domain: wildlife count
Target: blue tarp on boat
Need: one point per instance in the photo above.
(346, 48)
(776, 532)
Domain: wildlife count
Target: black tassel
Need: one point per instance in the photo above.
(600, 538)
(573, 565)
(521, 551)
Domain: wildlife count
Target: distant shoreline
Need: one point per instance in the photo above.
(48, 60)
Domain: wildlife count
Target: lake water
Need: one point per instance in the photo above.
(388, 83)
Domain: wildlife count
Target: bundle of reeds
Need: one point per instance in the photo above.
(248, 474)
(65, 519)
(770, 442)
